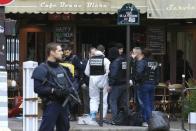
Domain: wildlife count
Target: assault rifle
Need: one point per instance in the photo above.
(73, 93)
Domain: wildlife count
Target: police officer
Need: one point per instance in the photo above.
(97, 69)
(73, 62)
(147, 77)
(117, 82)
(76, 67)
(51, 84)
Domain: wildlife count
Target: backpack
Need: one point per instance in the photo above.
(158, 122)
(135, 119)
(130, 118)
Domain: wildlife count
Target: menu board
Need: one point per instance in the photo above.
(64, 34)
(156, 39)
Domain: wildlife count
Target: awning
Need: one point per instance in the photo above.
(72, 6)
(171, 9)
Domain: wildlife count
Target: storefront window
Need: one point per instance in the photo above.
(36, 46)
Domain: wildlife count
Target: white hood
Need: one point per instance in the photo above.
(98, 53)
(106, 64)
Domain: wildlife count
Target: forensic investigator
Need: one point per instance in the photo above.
(52, 86)
(97, 69)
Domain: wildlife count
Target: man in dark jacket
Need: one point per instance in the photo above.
(75, 65)
(117, 82)
(73, 59)
(146, 78)
(51, 84)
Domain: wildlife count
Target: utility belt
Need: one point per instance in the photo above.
(51, 99)
(144, 82)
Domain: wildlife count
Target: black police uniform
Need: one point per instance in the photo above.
(148, 78)
(117, 81)
(52, 86)
(152, 70)
(78, 68)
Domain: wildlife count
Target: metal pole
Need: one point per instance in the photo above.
(2, 39)
(3, 75)
(128, 62)
(101, 108)
(183, 78)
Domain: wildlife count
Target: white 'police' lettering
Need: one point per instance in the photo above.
(96, 62)
(124, 65)
(60, 75)
(152, 65)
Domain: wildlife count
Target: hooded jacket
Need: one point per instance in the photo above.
(100, 77)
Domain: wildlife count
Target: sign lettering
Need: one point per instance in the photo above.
(128, 15)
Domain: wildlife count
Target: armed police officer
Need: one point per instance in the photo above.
(97, 69)
(50, 82)
(117, 82)
(146, 77)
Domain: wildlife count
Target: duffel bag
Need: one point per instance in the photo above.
(158, 122)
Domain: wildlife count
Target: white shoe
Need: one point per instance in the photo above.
(86, 120)
(91, 122)
(145, 124)
(82, 120)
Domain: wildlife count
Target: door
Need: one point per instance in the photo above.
(33, 40)
(36, 42)
(181, 54)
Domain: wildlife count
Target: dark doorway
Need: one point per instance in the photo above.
(92, 36)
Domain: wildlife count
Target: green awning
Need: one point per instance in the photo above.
(171, 9)
(72, 6)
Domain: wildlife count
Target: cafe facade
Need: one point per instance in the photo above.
(86, 23)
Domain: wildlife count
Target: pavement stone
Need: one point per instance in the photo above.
(15, 124)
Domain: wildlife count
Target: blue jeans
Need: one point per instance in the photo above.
(118, 99)
(146, 100)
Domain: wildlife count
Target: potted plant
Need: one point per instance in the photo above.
(190, 99)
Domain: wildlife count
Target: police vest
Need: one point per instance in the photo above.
(122, 70)
(151, 70)
(97, 65)
(57, 76)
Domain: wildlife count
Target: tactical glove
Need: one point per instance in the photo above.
(66, 91)
(57, 92)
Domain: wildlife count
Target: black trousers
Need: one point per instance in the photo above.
(55, 115)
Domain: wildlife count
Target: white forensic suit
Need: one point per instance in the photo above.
(96, 82)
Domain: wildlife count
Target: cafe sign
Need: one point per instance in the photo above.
(128, 15)
(171, 9)
(72, 6)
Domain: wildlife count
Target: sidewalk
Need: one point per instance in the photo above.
(16, 125)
